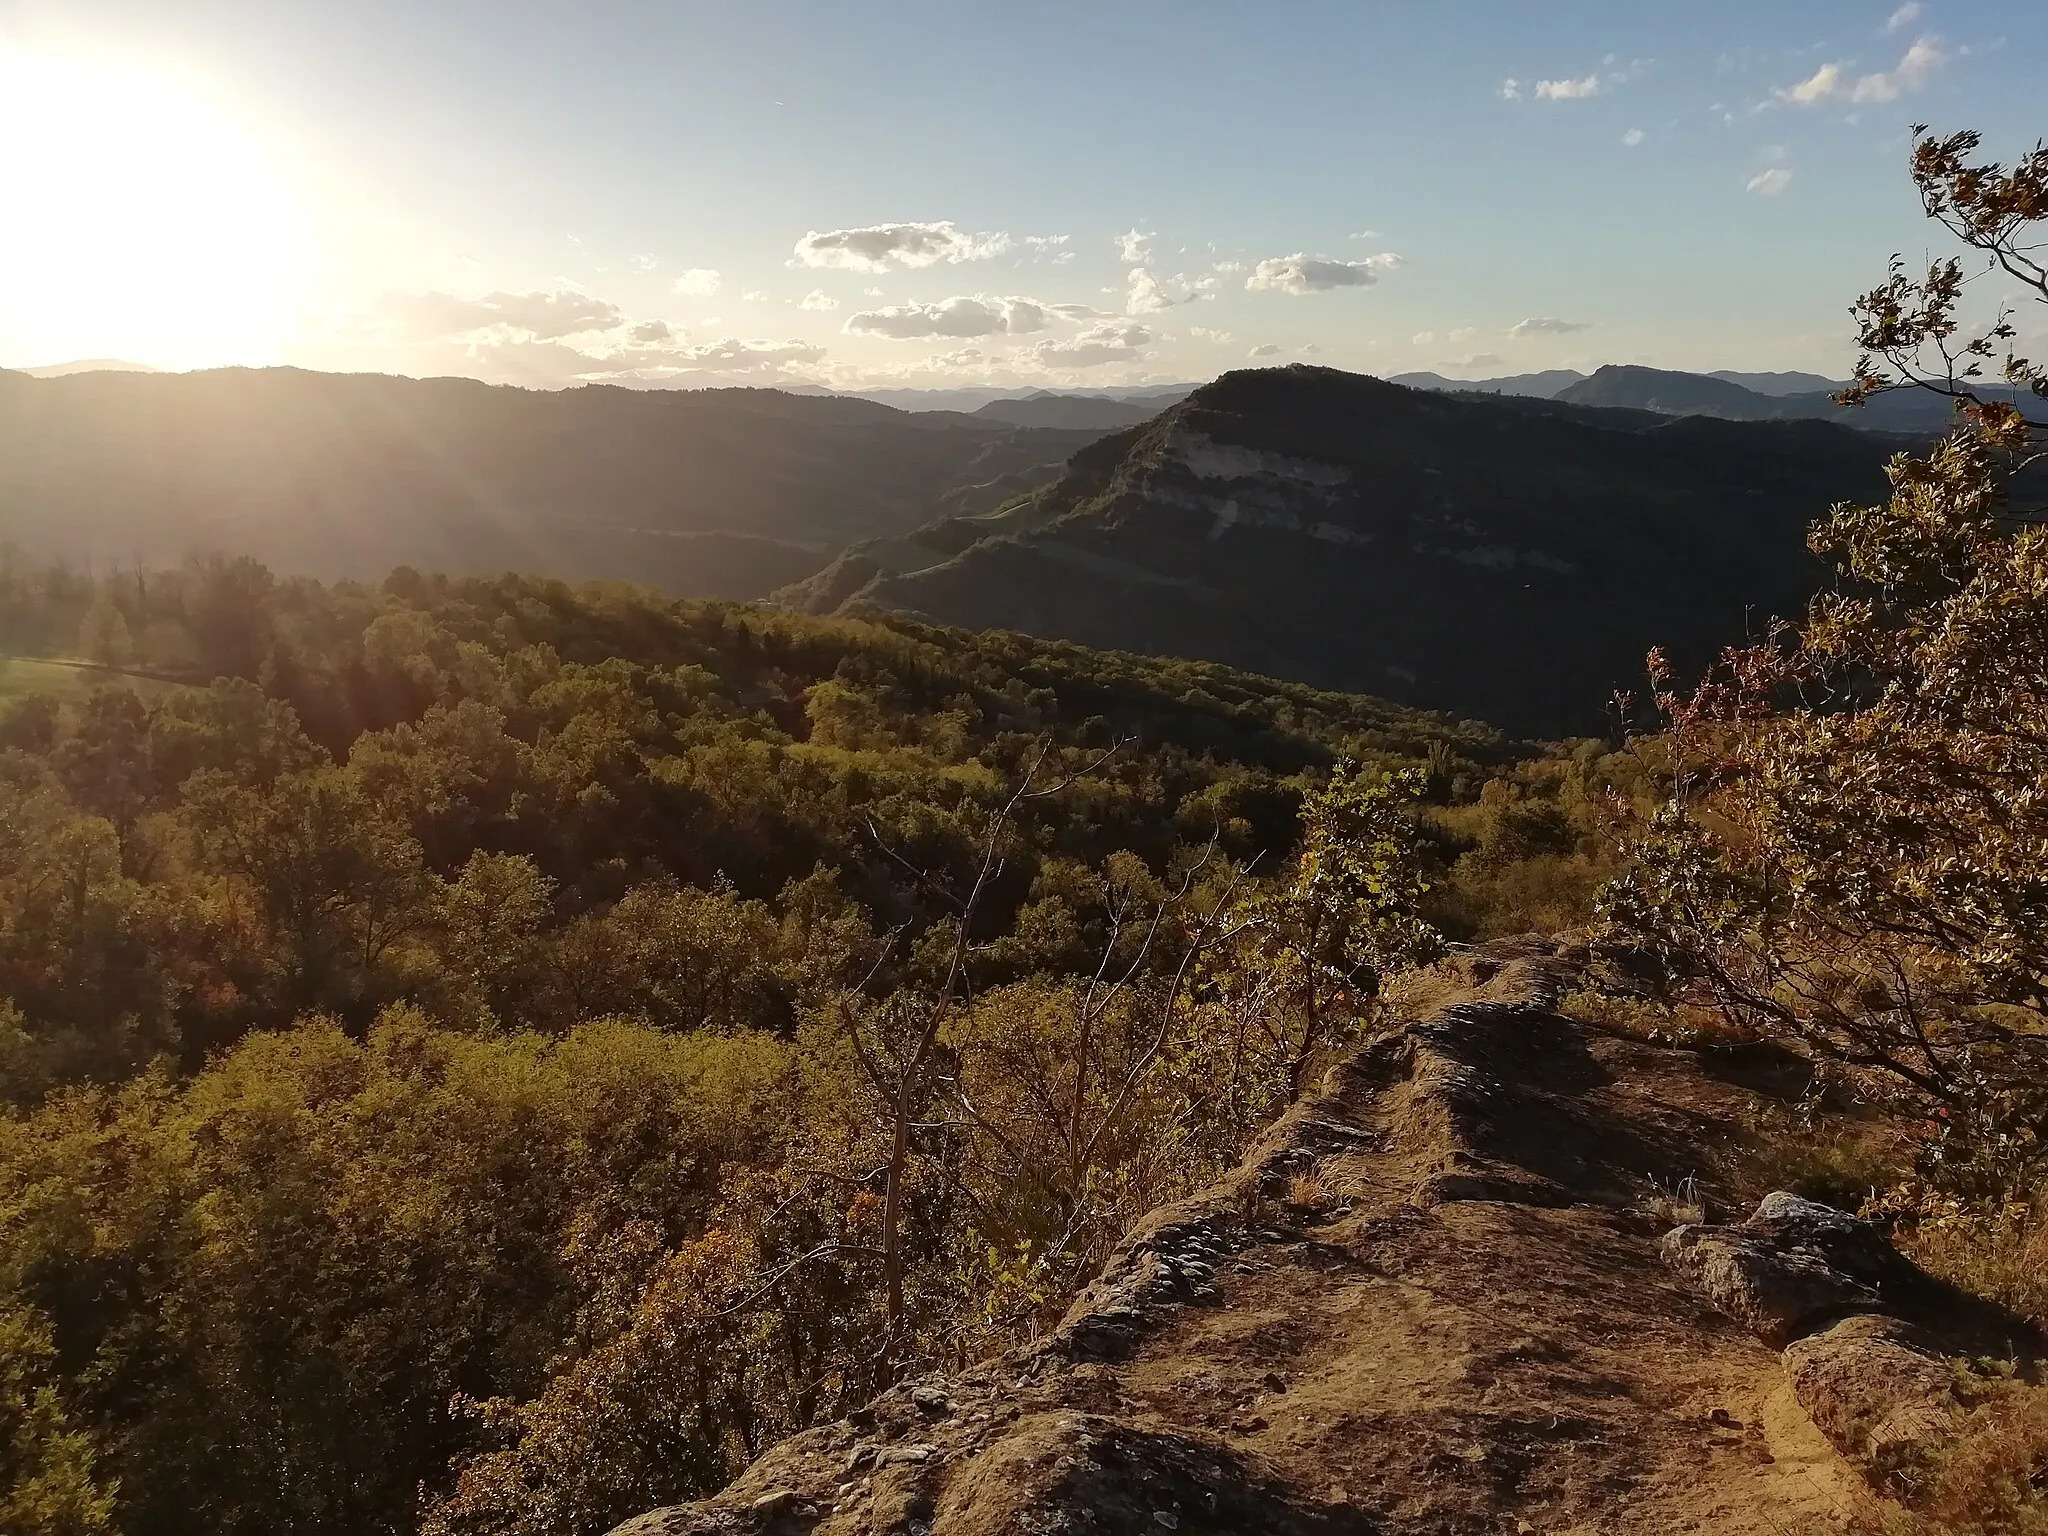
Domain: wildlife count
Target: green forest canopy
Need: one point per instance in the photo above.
(484, 993)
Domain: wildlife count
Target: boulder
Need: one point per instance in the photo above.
(1794, 1267)
(1879, 1389)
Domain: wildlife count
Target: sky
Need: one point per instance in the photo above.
(943, 193)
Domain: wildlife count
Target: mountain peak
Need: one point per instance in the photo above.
(1510, 560)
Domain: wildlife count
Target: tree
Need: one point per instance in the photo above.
(335, 882)
(1065, 1091)
(1852, 855)
(103, 633)
(1312, 951)
(49, 1485)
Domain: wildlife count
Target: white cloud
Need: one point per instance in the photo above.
(1205, 333)
(698, 282)
(541, 316)
(1922, 62)
(1105, 342)
(1263, 349)
(754, 296)
(1423, 339)
(554, 364)
(651, 333)
(818, 299)
(1477, 360)
(1146, 296)
(1818, 86)
(1134, 247)
(1769, 183)
(1229, 268)
(732, 355)
(644, 263)
(1310, 349)
(1633, 137)
(871, 293)
(1302, 273)
(1568, 90)
(1830, 82)
(960, 316)
(1462, 334)
(1544, 325)
(878, 247)
(1904, 16)
(949, 367)
(1511, 89)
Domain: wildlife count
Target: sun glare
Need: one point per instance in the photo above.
(138, 221)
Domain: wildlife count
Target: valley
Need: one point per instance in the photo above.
(799, 769)
(1503, 557)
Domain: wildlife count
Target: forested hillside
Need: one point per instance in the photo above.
(1508, 559)
(464, 1025)
(723, 492)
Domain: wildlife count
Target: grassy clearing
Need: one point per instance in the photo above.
(23, 675)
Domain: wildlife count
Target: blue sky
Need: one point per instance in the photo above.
(1044, 194)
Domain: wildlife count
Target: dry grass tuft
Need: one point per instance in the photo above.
(1996, 1251)
(1992, 1480)
(1307, 1192)
(1682, 1205)
(1652, 1022)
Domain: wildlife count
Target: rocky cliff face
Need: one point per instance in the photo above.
(1440, 1297)
(1511, 561)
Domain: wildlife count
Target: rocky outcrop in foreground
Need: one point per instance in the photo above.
(1437, 1298)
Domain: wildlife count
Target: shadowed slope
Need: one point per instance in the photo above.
(1511, 561)
(727, 492)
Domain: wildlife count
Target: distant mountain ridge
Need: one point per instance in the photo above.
(84, 365)
(729, 492)
(1046, 409)
(970, 398)
(1511, 560)
(1673, 394)
(1782, 383)
(1730, 395)
(1537, 386)
(1548, 384)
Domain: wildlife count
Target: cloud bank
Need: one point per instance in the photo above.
(881, 247)
(959, 317)
(1832, 82)
(1104, 342)
(541, 316)
(1302, 273)
(1543, 325)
